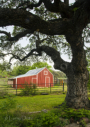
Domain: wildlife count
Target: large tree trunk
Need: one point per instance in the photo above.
(78, 76)
(77, 89)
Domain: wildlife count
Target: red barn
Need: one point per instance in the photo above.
(42, 77)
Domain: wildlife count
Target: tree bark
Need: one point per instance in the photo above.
(78, 76)
(77, 89)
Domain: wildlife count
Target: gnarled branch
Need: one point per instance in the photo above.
(28, 5)
(27, 20)
(18, 36)
(59, 63)
(56, 7)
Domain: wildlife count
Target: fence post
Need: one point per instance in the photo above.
(50, 87)
(63, 87)
(16, 89)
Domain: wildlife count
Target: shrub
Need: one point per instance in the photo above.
(3, 93)
(30, 89)
(9, 103)
(68, 113)
(42, 120)
(5, 112)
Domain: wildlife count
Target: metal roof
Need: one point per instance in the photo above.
(30, 73)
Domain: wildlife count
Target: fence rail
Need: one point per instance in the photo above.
(41, 90)
(51, 88)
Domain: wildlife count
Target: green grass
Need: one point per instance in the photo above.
(53, 89)
(37, 103)
(18, 114)
(3, 81)
(17, 108)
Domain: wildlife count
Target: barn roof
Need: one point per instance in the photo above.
(31, 72)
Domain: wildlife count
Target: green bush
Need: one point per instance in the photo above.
(9, 103)
(3, 93)
(57, 84)
(5, 112)
(30, 89)
(42, 120)
(68, 113)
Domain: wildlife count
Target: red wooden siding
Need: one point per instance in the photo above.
(14, 83)
(25, 80)
(43, 79)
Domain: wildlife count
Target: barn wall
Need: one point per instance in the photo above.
(45, 78)
(10, 81)
(42, 79)
(26, 80)
(14, 83)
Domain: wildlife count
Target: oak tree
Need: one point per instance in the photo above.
(70, 21)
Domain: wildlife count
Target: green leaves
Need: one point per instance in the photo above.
(68, 113)
(75, 9)
(8, 104)
(18, 70)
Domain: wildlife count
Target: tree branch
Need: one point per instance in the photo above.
(66, 2)
(28, 5)
(59, 7)
(28, 55)
(59, 63)
(38, 41)
(27, 20)
(52, 7)
(6, 33)
(78, 3)
(30, 21)
(18, 36)
(56, 7)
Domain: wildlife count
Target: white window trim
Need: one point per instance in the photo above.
(45, 72)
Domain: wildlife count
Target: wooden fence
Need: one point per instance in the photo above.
(52, 88)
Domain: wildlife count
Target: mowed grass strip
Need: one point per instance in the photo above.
(54, 88)
(36, 103)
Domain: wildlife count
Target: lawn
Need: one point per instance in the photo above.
(36, 103)
(16, 111)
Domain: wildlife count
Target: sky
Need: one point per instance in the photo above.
(72, 1)
(25, 41)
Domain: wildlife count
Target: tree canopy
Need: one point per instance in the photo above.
(18, 70)
(43, 24)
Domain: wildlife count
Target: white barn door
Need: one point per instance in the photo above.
(47, 81)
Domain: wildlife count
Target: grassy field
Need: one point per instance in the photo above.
(36, 103)
(15, 111)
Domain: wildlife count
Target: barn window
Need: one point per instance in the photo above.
(45, 72)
